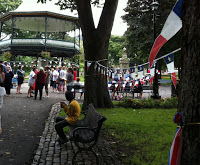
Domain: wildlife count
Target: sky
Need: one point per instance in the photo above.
(119, 27)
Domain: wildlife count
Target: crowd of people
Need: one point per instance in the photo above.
(61, 79)
(124, 83)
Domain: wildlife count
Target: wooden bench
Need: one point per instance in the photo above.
(77, 89)
(161, 81)
(146, 89)
(85, 133)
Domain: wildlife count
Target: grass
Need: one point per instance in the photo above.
(81, 78)
(144, 136)
(166, 77)
(140, 136)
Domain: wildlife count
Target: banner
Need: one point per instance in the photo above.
(88, 65)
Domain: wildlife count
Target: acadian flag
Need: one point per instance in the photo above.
(172, 25)
(176, 148)
(170, 67)
(133, 74)
(140, 71)
(124, 71)
(152, 71)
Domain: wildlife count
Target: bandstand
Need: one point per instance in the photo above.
(30, 32)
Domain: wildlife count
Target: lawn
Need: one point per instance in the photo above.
(142, 136)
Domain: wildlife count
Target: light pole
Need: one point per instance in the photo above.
(154, 7)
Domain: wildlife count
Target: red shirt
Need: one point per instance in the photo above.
(41, 77)
(75, 74)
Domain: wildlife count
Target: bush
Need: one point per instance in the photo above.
(148, 103)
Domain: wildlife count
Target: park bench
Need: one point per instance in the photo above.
(77, 89)
(85, 133)
(161, 81)
(146, 89)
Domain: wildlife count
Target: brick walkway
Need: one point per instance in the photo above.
(49, 152)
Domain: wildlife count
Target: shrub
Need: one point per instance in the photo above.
(148, 103)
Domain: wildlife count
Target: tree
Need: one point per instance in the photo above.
(116, 45)
(95, 43)
(189, 100)
(6, 6)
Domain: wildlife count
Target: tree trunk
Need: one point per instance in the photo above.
(96, 42)
(189, 102)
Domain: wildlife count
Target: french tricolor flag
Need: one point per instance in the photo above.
(170, 67)
(172, 25)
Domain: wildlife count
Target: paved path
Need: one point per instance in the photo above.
(29, 137)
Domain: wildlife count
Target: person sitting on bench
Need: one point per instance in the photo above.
(73, 113)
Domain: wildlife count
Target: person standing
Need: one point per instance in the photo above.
(8, 80)
(40, 82)
(47, 72)
(55, 78)
(20, 79)
(62, 77)
(2, 91)
(75, 73)
(31, 81)
(70, 79)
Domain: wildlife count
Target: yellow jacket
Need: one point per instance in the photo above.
(73, 112)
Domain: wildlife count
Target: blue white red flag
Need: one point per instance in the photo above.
(176, 148)
(170, 67)
(172, 25)
(140, 71)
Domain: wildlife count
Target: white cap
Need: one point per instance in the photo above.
(41, 68)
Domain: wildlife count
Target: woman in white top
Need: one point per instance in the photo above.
(2, 91)
(62, 80)
(31, 82)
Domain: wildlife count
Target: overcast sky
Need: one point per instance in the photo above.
(119, 26)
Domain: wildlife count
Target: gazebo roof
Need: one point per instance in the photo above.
(35, 21)
(36, 17)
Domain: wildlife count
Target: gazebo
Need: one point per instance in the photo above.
(28, 33)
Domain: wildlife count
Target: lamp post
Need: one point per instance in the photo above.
(154, 7)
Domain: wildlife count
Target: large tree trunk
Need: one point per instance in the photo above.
(96, 42)
(189, 103)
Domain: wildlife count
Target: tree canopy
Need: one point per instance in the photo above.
(8, 5)
(116, 45)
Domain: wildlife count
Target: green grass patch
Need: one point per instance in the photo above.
(140, 136)
(144, 136)
(166, 77)
(81, 78)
